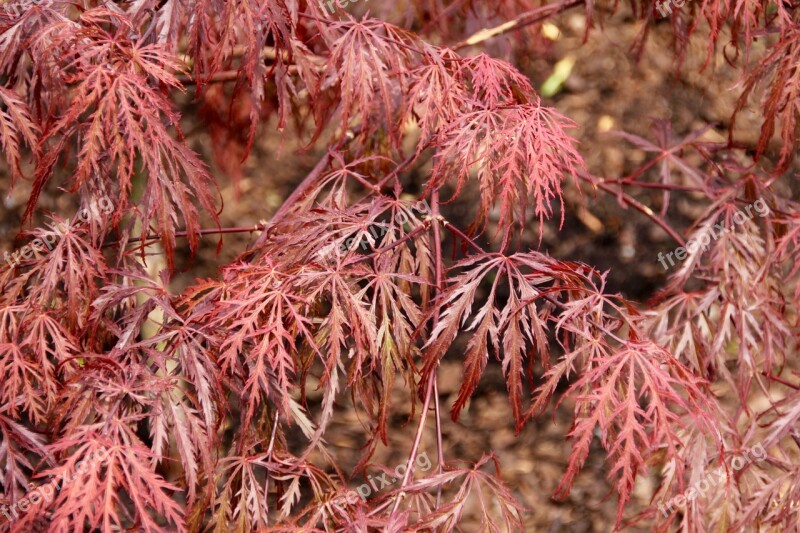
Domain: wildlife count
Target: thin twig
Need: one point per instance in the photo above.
(629, 200)
(781, 380)
(307, 182)
(209, 231)
(408, 236)
(298, 192)
(439, 269)
(303, 188)
(650, 185)
(220, 77)
(526, 19)
(432, 388)
(417, 438)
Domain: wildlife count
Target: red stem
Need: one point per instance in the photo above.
(432, 388)
(210, 231)
(629, 200)
(649, 185)
(410, 235)
(417, 438)
(463, 236)
(439, 265)
(781, 380)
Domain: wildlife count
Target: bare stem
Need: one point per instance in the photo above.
(209, 231)
(781, 380)
(432, 389)
(219, 77)
(437, 239)
(631, 201)
(408, 236)
(650, 185)
(526, 19)
(417, 438)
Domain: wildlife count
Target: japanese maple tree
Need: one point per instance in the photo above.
(199, 399)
